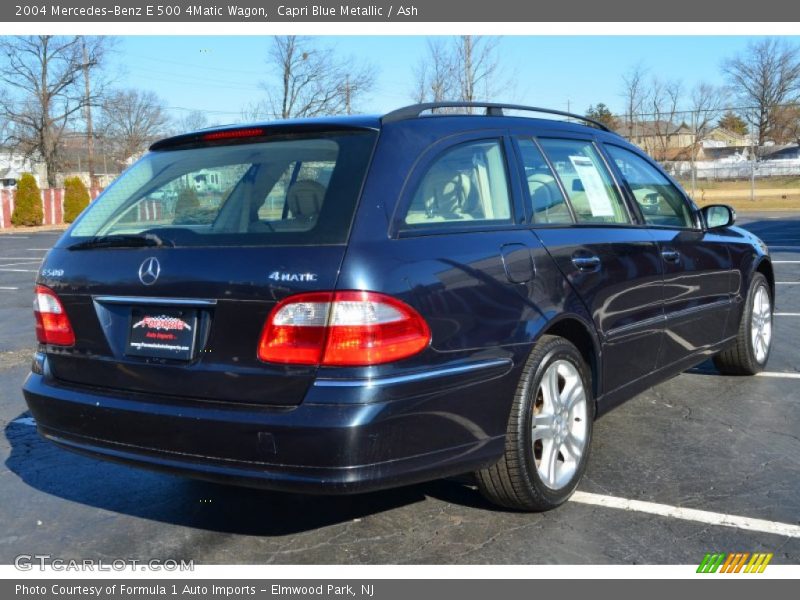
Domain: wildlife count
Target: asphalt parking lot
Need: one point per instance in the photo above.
(698, 464)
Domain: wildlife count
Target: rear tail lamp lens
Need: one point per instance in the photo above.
(52, 324)
(342, 329)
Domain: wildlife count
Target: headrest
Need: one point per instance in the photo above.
(305, 199)
(446, 192)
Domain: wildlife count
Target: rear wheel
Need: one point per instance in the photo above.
(750, 352)
(549, 431)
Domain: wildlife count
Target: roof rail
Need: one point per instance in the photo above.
(493, 109)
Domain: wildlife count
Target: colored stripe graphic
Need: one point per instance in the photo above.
(710, 563)
(733, 562)
(758, 563)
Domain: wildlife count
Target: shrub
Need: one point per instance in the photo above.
(76, 198)
(187, 205)
(27, 202)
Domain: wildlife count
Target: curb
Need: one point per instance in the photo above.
(34, 229)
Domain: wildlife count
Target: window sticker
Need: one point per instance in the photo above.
(593, 185)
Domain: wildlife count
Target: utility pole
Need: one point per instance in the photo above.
(88, 108)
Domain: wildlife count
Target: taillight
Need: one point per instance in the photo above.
(52, 323)
(342, 329)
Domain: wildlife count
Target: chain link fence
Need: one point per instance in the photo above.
(747, 169)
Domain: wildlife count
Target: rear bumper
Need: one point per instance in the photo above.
(333, 442)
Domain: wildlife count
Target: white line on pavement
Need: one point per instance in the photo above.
(688, 514)
(21, 258)
(779, 374)
(36, 249)
(786, 262)
(16, 264)
(7, 287)
(787, 283)
(783, 314)
(20, 270)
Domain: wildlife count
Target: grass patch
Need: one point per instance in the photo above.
(788, 183)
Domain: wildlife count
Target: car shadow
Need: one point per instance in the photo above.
(198, 504)
(705, 368)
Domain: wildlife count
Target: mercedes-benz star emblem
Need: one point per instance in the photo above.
(149, 271)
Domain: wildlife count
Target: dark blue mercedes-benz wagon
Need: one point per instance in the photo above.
(354, 303)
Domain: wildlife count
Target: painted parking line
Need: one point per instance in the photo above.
(8, 287)
(20, 270)
(787, 283)
(17, 264)
(785, 314)
(779, 375)
(688, 514)
(786, 262)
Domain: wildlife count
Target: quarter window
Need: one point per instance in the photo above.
(661, 202)
(591, 190)
(466, 184)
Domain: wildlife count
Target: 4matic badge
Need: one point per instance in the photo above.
(286, 276)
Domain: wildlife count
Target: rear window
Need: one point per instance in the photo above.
(285, 191)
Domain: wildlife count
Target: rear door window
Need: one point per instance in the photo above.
(467, 185)
(592, 193)
(546, 203)
(298, 190)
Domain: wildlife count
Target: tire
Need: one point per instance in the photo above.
(524, 478)
(750, 352)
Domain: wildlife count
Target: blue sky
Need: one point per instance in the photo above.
(220, 75)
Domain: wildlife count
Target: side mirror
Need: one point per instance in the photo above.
(717, 216)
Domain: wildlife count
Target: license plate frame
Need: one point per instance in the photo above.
(162, 333)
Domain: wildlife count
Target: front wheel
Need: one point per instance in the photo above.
(549, 431)
(750, 352)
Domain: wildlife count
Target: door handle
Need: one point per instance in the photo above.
(670, 255)
(586, 263)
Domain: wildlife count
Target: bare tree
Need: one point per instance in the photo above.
(477, 66)
(706, 106)
(468, 69)
(130, 121)
(43, 74)
(311, 81)
(633, 92)
(254, 111)
(191, 121)
(786, 124)
(765, 77)
(662, 102)
(435, 77)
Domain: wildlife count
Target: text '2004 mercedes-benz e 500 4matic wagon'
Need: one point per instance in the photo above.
(354, 303)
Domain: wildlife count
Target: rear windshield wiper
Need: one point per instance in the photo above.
(121, 241)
